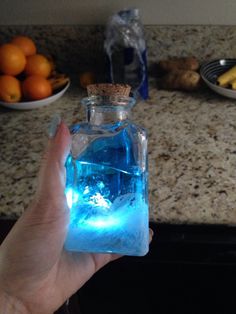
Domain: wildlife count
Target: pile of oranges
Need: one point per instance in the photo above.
(24, 72)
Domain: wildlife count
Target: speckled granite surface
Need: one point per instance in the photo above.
(192, 137)
(78, 48)
(192, 154)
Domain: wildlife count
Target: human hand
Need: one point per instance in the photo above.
(36, 274)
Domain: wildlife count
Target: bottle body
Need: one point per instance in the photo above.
(107, 189)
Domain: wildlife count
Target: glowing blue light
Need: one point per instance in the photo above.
(98, 200)
(69, 197)
(101, 213)
(103, 222)
(100, 185)
(86, 190)
(72, 197)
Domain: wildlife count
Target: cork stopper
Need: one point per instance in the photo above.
(107, 89)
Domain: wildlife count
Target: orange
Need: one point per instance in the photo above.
(10, 89)
(36, 87)
(12, 59)
(26, 44)
(86, 78)
(38, 65)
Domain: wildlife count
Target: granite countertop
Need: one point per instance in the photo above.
(192, 153)
(192, 136)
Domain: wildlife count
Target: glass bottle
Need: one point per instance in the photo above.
(107, 180)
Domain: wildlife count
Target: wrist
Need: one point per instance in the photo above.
(10, 305)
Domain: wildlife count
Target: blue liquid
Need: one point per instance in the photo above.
(107, 197)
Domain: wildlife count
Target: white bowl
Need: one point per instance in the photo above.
(27, 105)
(211, 70)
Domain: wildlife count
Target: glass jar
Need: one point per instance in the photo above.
(107, 180)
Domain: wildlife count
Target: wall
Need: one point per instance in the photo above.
(82, 12)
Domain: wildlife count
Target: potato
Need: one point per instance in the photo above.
(186, 80)
(184, 63)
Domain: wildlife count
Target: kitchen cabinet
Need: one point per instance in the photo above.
(187, 270)
(175, 277)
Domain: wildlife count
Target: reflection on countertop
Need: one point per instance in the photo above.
(192, 154)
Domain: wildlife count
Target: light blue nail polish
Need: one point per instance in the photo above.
(52, 128)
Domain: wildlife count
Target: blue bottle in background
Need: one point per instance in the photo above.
(126, 51)
(107, 180)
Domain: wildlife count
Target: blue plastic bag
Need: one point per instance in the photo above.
(125, 48)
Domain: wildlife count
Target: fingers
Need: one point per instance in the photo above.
(151, 234)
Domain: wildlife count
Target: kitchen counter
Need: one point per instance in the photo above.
(192, 136)
(192, 154)
(192, 162)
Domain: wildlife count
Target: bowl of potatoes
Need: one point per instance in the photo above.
(220, 76)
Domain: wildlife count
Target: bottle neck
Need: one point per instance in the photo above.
(106, 115)
(107, 109)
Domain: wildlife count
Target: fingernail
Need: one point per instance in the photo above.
(52, 128)
(151, 232)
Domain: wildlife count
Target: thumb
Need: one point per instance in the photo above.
(45, 220)
(51, 180)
